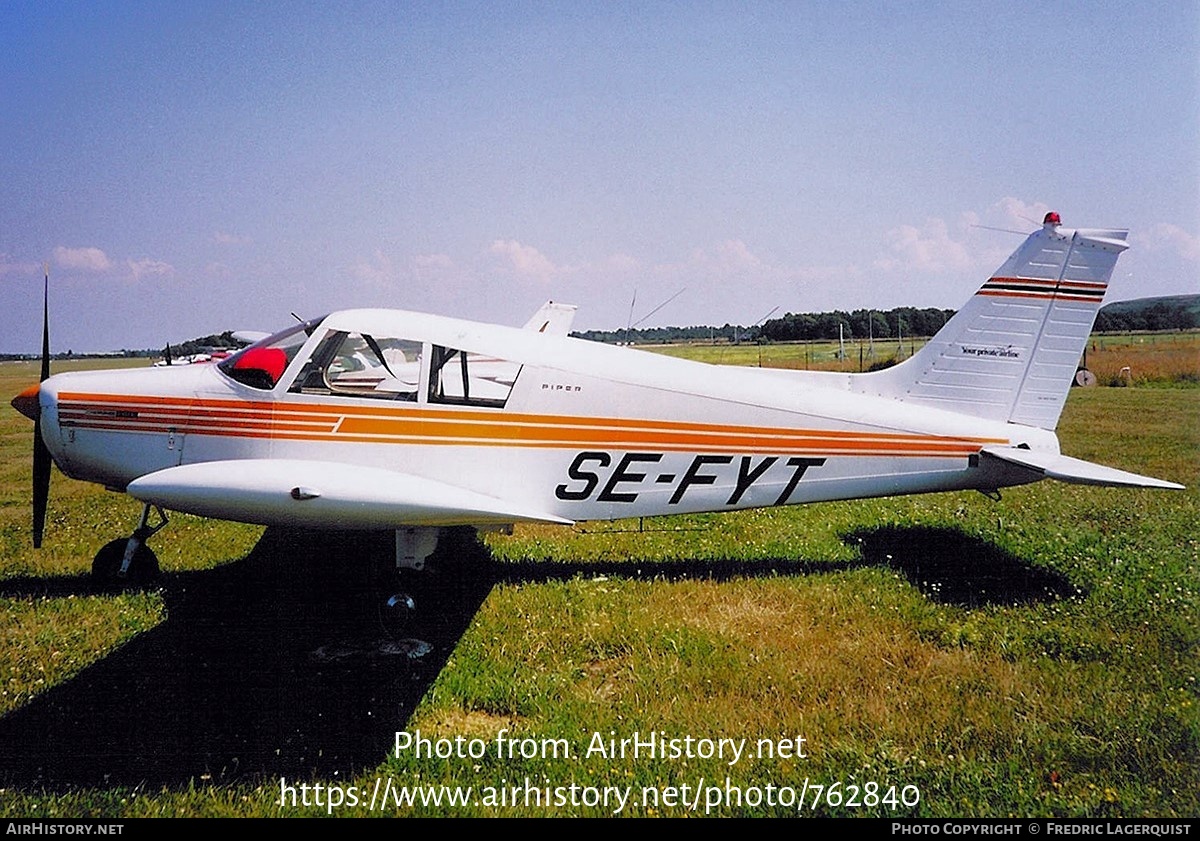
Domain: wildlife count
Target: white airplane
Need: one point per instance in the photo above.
(391, 420)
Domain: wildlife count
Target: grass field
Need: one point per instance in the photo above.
(1036, 656)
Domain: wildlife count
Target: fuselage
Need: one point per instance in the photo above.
(575, 429)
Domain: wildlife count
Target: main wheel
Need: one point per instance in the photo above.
(397, 615)
(143, 568)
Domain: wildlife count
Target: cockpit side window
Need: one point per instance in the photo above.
(470, 379)
(362, 365)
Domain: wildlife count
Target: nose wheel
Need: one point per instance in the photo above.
(127, 563)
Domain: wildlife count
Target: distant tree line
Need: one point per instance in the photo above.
(859, 324)
(204, 344)
(792, 327)
(670, 335)
(1161, 315)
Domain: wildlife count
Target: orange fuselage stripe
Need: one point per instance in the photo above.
(413, 425)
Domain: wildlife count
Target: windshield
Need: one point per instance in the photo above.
(261, 364)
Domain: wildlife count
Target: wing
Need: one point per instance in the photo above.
(316, 494)
(1077, 471)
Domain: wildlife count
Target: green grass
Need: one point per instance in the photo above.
(816, 356)
(1037, 656)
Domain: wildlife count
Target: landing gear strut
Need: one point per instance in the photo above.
(127, 562)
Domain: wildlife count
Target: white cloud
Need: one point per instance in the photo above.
(88, 259)
(523, 260)
(938, 246)
(928, 248)
(833, 273)
(218, 270)
(719, 260)
(225, 238)
(149, 268)
(620, 263)
(434, 262)
(1020, 215)
(731, 256)
(10, 266)
(382, 270)
(1166, 236)
(378, 269)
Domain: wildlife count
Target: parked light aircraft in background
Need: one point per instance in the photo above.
(383, 419)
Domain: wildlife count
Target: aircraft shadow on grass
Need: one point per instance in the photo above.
(952, 567)
(278, 665)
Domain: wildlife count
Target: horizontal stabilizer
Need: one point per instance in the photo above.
(1076, 471)
(317, 494)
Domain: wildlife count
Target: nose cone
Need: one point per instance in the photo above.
(27, 402)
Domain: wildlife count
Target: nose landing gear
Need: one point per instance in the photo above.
(127, 563)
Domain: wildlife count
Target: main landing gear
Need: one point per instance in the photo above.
(127, 563)
(398, 612)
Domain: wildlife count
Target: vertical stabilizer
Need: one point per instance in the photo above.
(1011, 352)
(554, 319)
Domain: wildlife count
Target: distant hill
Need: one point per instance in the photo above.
(1169, 312)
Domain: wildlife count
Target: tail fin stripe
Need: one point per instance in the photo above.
(1043, 282)
(1069, 295)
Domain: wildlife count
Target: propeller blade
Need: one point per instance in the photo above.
(41, 455)
(46, 326)
(41, 485)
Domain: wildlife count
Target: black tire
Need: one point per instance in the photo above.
(397, 615)
(143, 568)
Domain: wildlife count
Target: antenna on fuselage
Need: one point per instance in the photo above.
(752, 326)
(656, 309)
(630, 323)
(1004, 230)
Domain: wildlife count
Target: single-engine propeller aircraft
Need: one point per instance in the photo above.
(389, 420)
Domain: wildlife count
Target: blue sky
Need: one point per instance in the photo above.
(190, 168)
